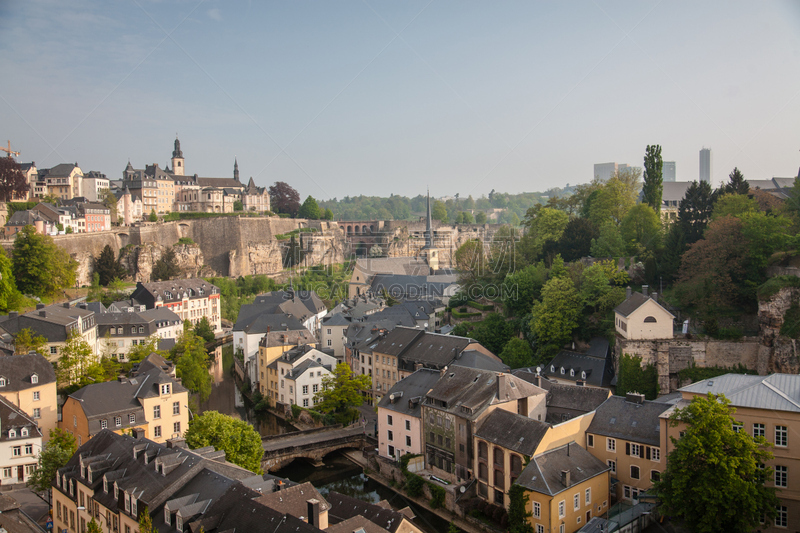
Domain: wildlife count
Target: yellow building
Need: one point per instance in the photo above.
(625, 434)
(270, 348)
(29, 382)
(566, 487)
(641, 317)
(766, 406)
(152, 403)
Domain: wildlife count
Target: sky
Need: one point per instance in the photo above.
(367, 97)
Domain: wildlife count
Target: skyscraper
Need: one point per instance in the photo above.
(668, 171)
(705, 165)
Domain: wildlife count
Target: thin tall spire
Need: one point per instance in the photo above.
(428, 229)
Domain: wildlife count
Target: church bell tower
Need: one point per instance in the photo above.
(177, 158)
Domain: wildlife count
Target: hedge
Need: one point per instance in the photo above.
(457, 314)
(482, 307)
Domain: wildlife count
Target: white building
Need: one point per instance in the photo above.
(94, 186)
(20, 444)
(300, 374)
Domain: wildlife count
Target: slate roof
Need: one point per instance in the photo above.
(776, 392)
(513, 432)
(62, 170)
(562, 396)
(467, 391)
(357, 524)
(255, 318)
(337, 319)
(111, 321)
(12, 417)
(294, 500)
(543, 473)
(345, 507)
(636, 300)
(402, 286)
(24, 218)
(476, 359)
(397, 341)
(149, 293)
(412, 387)
(18, 369)
(636, 422)
(309, 299)
(674, 191)
(394, 265)
(598, 370)
(291, 337)
(14, 519)
(53, 322)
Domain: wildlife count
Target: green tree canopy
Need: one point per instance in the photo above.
(609, 243)
(310, 209)
(493, 332)
(714, 478)
(204, 330)
(641, 229)
(576, 241)
(635, 377)
(327, 214)
(610, 202)
(53, 455)
(736, 183)
(733, 205)
(153, 216)
(517, 353)
(108, 267)
(240, 441)
(695, 209)
(166, 267)
(191, 362)
(543, 224)
(40, 267)
(27, 341)
(523, 287)
(341, 390)
(439, 211)
(480, 218)
(470, 260)
(558, 314)
(77, 363)
(137, 353)
(10, 298)
(653, 181)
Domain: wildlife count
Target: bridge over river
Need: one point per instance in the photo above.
(312, 445)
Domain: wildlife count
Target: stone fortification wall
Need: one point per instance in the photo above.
(224, 246)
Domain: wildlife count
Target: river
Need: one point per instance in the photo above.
(338, 474)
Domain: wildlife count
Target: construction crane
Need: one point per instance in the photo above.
(8, 150)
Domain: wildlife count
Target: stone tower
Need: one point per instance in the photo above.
(177, 159)
(127, 206)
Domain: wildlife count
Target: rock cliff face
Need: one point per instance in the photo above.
(140, 260)
(778, 353)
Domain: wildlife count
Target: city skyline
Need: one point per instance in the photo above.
(380, 98)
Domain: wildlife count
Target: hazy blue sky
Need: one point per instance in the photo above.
(348, 98)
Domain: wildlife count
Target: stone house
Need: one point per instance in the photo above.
(625, 434)
(641, 317)
(400, 415)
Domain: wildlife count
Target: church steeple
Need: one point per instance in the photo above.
(235, 169)
(177, 158)
(428, 229)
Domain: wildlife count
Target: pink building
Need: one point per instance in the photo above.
(399, 415)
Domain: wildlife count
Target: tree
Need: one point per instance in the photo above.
(241, 443)
(153, 217)
(26, 341)
(108, 267)
(465, 217)
(641, 229)
(40, 267)
(557, 315)
(653, 181)
(480, 218)
(237, 206)
(327, 215)
(439, 211)
(94, 527)
(470, 260)
(284, 198)
(53, 455)
(13, 183)
(191, 362)
(166, 267)
(733, 205)
(110, 201)
(736, 183)
(610, 202)
(204, 330)
(145, 347)
(310, 209)
(609, 243)
(341, 390)
(493, 332)
(695, 209)
(715, 479)
(77, 362)
(517, 353)
(10, 298)
(576, 241)
(543, 224)
(518, 514)
(522, 288)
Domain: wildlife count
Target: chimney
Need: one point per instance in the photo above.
(634, 397)
(43, 313)
(66, 305)
(502, 379)
(627, 292)
(138, 433)
(177, 442)
(313, 512)
(279, 485)
(39, 306)
(654, 296)
(565, 478)
(644, 290)
(13, 314)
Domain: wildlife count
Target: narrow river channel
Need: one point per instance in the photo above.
(338, 474)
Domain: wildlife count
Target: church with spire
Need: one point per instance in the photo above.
(173, 189)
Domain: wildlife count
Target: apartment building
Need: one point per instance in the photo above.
(20, 443)
(55, 323)
(191, 299)
(28, 381)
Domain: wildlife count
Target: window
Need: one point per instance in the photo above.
(737, 427)
(655, 475)
(781, 476)
(36, 396)
(758, 430)
(165, 388)
(157, 431)
(408, 425)
(176, 408)
(611, 445)
(576, 502)
(17, 451)
(315, 388)
(389, 419)
(29, 449)
(782, 516)
(562, 509)
(176, 427)
(131, 418)
(781, 436)
(539, 528)
(7, 472)
(590, 441)
(2, 382)
(53, 350)
(613, 466)
(537, 510)
(305, 402)
(391, 435)
(156, 411)
(588, 499)
(118, 421)
(655, 454)
(634, 472)
(636, 450)
(408, 440)
(104, 424)
(37, 412)
(305, 389)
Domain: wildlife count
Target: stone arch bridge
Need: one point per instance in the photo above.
(312, 445)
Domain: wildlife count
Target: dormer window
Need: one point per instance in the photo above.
(572, 372)
(552, 368)
(165, 388)
(105, 485)
(583, 375)
(127, 502)
(167, 517)
(34, 378)
(12, 433)
(24, 432)
(133, 506)
(2, 382)
(179, 523)
(562, 369)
